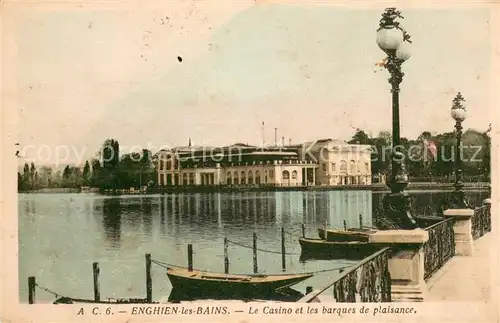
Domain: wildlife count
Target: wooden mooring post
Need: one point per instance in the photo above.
(255, 267)
(190, 257)
(31, 289)
(361, 221)
(345, 225)
(226, 257)
(149, 281)
(283, 251)
(95, 272)
(303, 230)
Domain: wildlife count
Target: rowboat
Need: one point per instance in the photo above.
(205, 284)
(361, 235)
(323, 249)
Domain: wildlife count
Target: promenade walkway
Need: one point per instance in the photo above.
(466, 278)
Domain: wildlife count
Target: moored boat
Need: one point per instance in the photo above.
(323, 249)
(361, 235)
(230, 285)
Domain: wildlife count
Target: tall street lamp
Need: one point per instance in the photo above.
(395, 42)
(459, 113)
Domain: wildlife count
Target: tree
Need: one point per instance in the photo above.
(95, 178)
(360, 138)
(443, 164)
(66, 176)
(475, 152)
(26, 176)
(32, 172)
(108, 177)
(86, 173)
(111, 153)
(20, 184)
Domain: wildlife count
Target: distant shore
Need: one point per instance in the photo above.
(209, 189)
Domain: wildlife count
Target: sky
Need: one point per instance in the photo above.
(83, 76)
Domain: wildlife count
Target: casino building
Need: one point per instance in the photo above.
(321, 162)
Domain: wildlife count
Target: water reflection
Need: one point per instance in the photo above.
(111, 220)
(250, 211)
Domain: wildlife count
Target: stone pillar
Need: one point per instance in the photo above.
(406, 263)
(487, 202)
(462, 229)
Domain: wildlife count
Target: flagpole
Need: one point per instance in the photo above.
(263, 140)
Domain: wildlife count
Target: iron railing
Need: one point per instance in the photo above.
(481, 221)
(440, 247)
(367, 281)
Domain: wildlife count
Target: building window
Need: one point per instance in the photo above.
(161, 164)
(271, 173)
(257, 177)
(184, 179)
(191, 178)
(243, 177)
(250, 177)
(367, 167)
(324, 167)
(294, 174)
(333, 167)
(343, 166)
(352, 166)
(228, 179)
(286, 175)
(169, 163)
(235, 178)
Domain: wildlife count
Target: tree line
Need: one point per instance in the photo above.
(108, 170)
(431, 154)
(112, 171)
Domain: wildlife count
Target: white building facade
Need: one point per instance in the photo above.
(324, 162)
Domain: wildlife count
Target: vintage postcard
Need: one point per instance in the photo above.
(249, 161)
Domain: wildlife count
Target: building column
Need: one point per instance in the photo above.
(197, 177)
(462, 229)
(406, 262)
(314, 175)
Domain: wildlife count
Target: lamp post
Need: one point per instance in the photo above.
(395, 42)
(459, 113)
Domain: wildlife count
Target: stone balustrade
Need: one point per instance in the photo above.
(417, 254)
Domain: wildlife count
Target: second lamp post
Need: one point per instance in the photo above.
(458, 112)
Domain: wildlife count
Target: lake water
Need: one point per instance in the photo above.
(61, 235)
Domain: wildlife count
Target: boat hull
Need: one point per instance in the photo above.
(344, 236)
(322, 249)
(234, 287)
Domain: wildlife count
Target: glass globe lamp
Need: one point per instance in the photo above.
(389, 38)
(404, 51)
(459, 113)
